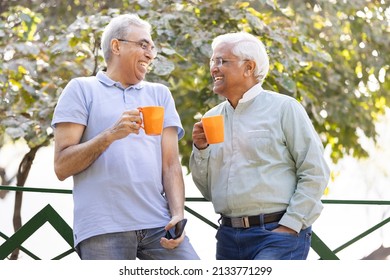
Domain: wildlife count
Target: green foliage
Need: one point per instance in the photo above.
(332, 57)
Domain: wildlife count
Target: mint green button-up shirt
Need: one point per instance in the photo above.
(271, 160)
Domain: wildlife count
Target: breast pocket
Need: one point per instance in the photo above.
(260, 143)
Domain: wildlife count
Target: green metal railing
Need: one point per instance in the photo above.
(48, 214)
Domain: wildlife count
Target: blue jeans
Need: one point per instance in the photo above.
(141, 244)
(260, 243)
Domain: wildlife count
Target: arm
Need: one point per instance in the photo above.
(172, 173)
(312, 171)
(173, 183)
(72, 157)
(199, 160)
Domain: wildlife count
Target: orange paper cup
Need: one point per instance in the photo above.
(213, 127)
(153, 119)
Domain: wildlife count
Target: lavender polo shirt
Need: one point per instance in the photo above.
(122, 190)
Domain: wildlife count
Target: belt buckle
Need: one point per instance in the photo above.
(242, 222)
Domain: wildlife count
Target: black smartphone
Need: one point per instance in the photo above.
(176, 231)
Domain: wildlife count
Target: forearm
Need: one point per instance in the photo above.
(76, 158)
(174, 188)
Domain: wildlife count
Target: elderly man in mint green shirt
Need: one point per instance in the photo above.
(267, 178)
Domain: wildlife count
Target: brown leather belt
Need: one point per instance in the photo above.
(252, 221)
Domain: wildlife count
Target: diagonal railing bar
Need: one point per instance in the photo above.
(321, 249)
(47, 214)
(60, 225)
(360, 236)
(24, 250)
(22, 234)
(200, 217)
(70, 251)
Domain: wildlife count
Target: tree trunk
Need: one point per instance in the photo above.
(23, 171)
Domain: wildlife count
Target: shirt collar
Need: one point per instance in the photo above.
(103, 78)
(251, 93)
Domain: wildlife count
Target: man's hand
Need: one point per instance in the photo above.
(172, 243)
(199, 137)
(129, 122)
(285, 230)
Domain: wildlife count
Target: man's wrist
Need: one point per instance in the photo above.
(201, 148)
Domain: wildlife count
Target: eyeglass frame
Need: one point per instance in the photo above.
(143, 44)
(219, 61)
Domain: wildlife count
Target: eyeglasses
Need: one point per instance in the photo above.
(219, 61)
(146, 46)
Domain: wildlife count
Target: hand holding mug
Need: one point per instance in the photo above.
(214, 129)
(210, 130)
(129, 122)
(199, 137)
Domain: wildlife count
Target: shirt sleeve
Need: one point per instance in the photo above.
(199, 162)
(172, 116)
(72, 105)
(312, 170)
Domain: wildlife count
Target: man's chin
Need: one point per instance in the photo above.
(140, 78)
(217, 90)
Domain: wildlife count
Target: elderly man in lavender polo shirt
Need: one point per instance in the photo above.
(128, 186)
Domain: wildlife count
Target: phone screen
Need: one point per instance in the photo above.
(176, 231)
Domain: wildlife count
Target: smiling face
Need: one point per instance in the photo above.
(131, 57)
(229, 75)
(232, 76)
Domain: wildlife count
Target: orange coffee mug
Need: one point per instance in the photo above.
(152, 119)
(213, 127)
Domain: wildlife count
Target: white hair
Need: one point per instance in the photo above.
(119, 27)
(246, 46)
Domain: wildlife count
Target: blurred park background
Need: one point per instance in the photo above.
(331, 55)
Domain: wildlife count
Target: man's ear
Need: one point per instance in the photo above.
(115, 46)
(250, 68)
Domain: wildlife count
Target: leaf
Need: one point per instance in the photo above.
(27, 48)
(167, 51)
(287, 83)
(162, 66)
(256, 22)
(15, 132)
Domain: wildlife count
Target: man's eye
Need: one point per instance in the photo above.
(144, 46)
(220, 61)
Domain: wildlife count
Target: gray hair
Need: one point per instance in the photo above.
(120, 27)
(247, 46)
